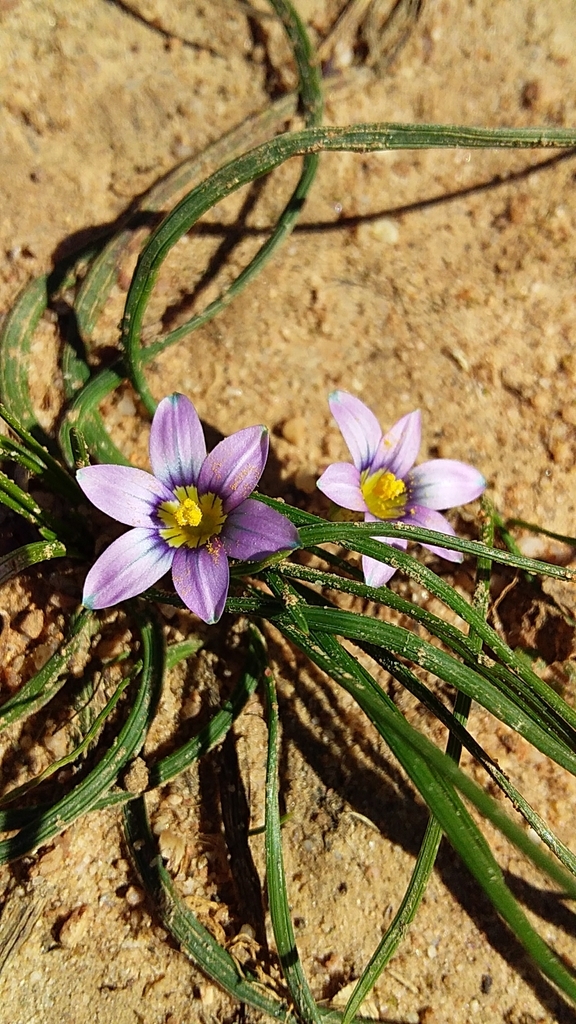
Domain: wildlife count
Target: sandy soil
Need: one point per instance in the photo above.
(442, 281)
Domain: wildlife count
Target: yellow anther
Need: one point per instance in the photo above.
(192, 519)
(388, 487)
(188, 513)
(385, 495)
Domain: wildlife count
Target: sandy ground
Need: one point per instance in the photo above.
(442, 281)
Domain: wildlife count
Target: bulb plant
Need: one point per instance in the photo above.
(232, 551)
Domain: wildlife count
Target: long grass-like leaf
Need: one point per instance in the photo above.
(175, 653)
(535, 687)
(50, 822)
(40, 689)
(323, 532)
(275, 876)
(434, 774)
(534, 528)
(77, 752)
(509, 707)
(211, 734)
(53, 474)
(15, 340)
(82, 415)
(217, 727)
(24, 505)
(30, 554)
(310, 90)
(263, 159)
(176, 916)
(456, 721)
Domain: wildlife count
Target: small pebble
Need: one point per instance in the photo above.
(51, 862)
(136, 778)
(57, 743)
(112, 646)
(32, 623)
(76, 927)
(134, 897)
(172, 848)
(126, 406)
(192, 706)
(384, 230)
(43, 653)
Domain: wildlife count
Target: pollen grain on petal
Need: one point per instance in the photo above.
(238, 480)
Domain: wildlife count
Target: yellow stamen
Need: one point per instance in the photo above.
(384, 494)
(188, 513)
(191, 520)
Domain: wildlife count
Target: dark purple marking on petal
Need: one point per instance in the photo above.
(177, 445)
(398, 448)
(134, 562)
(341, 483)
(445, 483)
(233, 468)
(358, 426)
(418, 515)
(201, 578)
(253, 531)
(128, 495)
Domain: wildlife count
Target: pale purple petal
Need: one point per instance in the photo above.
(341, 483)
(202, 577)
(254, 531)
(445, 483)
(418, 515)
(177, 445)
(129, 495)
(377, 573)
(235, 466)
(398, 448)
(131, 564)
(358, 426)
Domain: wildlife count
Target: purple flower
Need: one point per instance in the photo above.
(385, 485)
(191, 516)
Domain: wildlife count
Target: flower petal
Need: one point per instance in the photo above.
(418, 515)
(234, 467)
(254, 531)
(358, 426)
(129, 495)
(377, 573)
(177, 445)
(341, 483)
(202, 577)
(129, 566)
(398, 448)
(444, 483)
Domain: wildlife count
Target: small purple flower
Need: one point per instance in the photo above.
(385, 485)
(191, 516)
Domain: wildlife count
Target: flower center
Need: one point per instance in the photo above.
(188, 513)
(191, 519)
(384, 494)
